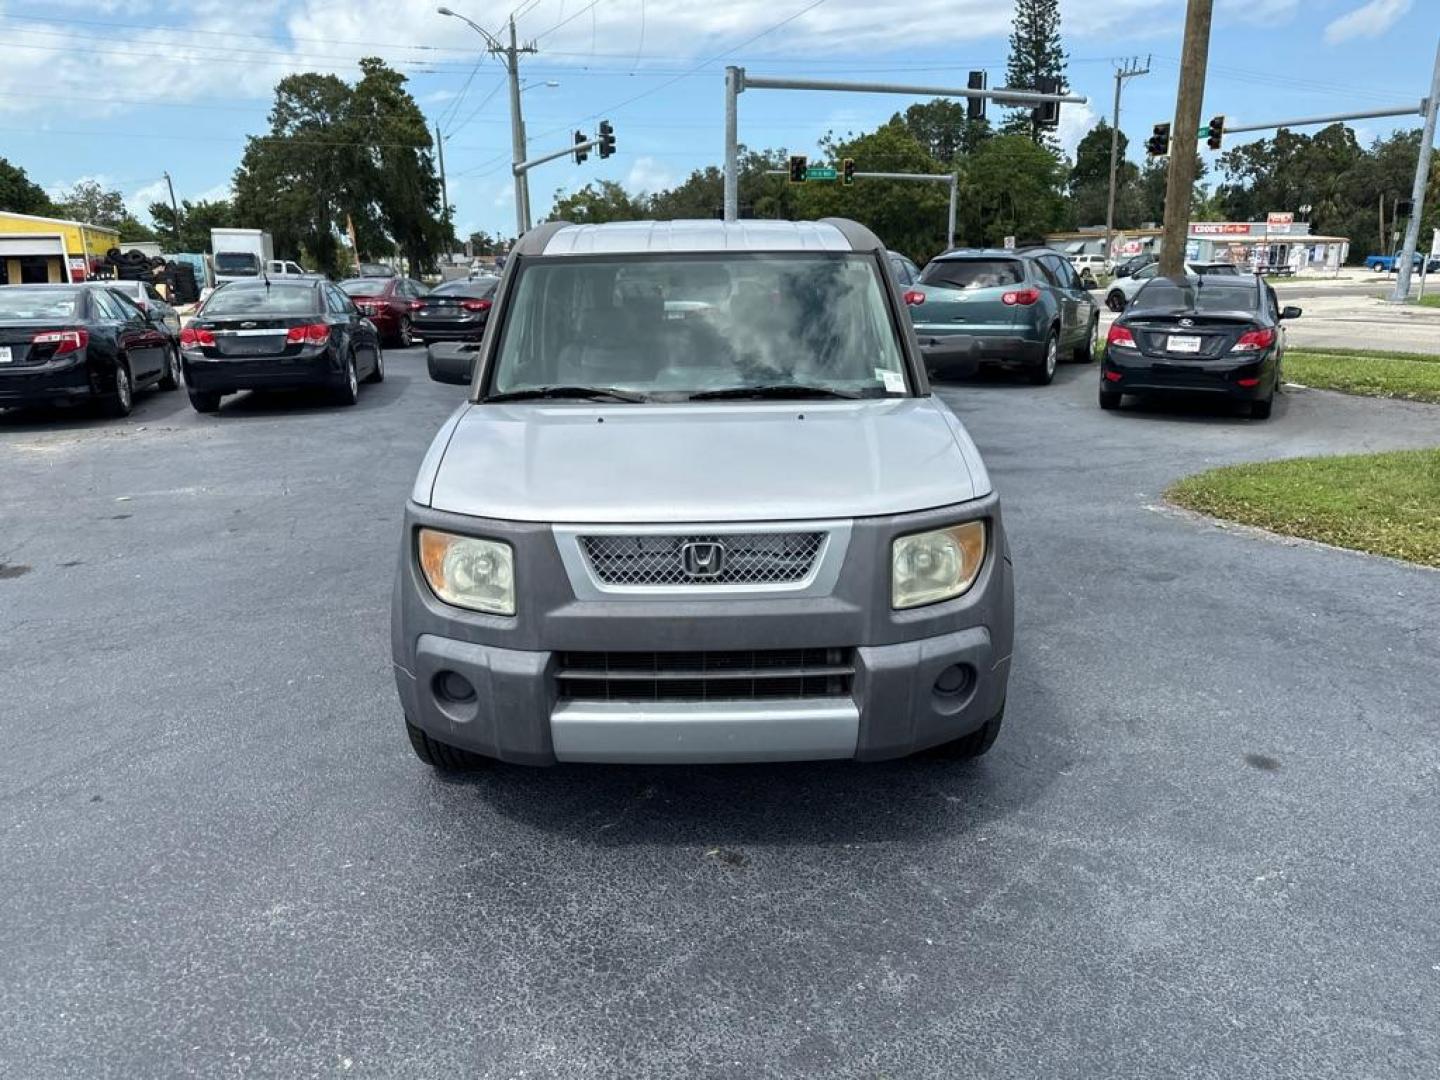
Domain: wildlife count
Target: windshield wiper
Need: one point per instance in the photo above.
(588, 393)
(773, 390)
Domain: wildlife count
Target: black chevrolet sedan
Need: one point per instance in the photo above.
(66, 344)
(1220, 336)
(262, 335)
(455, 311)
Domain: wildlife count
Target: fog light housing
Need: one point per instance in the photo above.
(453, 687)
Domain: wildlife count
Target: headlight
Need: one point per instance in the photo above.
(468, 572)
(932, 566)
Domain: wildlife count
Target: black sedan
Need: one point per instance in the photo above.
(1211, 335)
(455, 311)
(64, 344)
(262, 335)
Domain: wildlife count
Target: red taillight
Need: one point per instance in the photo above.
(1023, 297)
(914, 298)
(193, 337)
(1113, 376)
(65, 341)
(311, 334)
(1247, 383)
(1254, 340)
(1121, 336)
(475, 305)
(416, 305)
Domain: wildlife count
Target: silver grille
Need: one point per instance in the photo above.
(744, 558)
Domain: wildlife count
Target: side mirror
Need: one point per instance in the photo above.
(451, 362)
(1289, 312)
(954, 355)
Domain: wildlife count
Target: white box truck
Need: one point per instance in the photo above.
(238, 254)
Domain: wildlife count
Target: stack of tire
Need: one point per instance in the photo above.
(133, 265)
(180, 283)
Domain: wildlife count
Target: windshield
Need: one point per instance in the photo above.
(972, 273)
(667, 328)
(276, 300)
(1163, 295)
(47, 304)
(365, 287)
(237, 262)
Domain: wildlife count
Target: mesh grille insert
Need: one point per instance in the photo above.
(699, 560)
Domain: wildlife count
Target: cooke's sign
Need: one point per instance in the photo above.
(1220, 228)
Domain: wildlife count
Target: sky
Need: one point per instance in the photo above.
(125, 90)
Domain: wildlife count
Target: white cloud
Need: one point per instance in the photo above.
(1370, 19)
(1075, 123)
(1259, 12)
(648, 176)
(138, 201)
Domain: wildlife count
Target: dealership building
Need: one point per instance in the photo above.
(1278, 243)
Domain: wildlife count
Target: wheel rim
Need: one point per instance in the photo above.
(1050, 354)
(405, 334)
(351, 377)
(175, 373)
(122, 386)
(1115, 301)
(379, 362)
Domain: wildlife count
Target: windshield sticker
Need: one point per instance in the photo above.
(893, 380)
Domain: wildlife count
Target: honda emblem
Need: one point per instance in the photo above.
(702, 559)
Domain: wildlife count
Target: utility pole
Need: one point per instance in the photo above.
(174, 209)
(444, 195)
(1131, 69)
(511, 58)
(1417, 193)
(1180, 178)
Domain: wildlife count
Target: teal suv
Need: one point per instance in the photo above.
(1025, 309)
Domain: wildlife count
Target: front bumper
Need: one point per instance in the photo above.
(891, 708)
(1140, 374)
(318, 367)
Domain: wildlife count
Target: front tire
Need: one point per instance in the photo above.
(1115, 300)
(119, 403)
(977, 743)
(348, 392)
(205, 401)
(440, 756)
(1042, 375)
(1085, 351)
(172, 377)
(378, 375)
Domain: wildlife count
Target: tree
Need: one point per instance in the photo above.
(909, 216)
(593, 205)
(1035, 53)
(1152, 191)
(19, 194)
(1090, 181)
(702, 193)
(482, 243)
(90, 203)
(1011, 187)
(945, 129)
(196, 221)
(338, 155)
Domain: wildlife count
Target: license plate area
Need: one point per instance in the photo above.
(6, 356)
(1182, 343)
(252, 346)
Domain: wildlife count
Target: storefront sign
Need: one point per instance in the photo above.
(1220, 228)
(1279, 221)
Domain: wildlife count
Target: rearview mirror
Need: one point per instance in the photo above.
(953, 355)
(451, 362)
(1289, 312)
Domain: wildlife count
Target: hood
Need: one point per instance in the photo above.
(589, 464)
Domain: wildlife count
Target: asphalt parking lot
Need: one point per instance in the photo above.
(1204, 845)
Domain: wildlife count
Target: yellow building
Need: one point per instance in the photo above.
(37, 250)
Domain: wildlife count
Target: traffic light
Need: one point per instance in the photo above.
(580, 155)
(975, 106)
(847, 171)
(1158, 145)
(1215, 132)
(607, 139)
(798, 166)
(1047, 113)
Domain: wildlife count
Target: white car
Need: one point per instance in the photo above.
(1123, 290)
(1097, 264)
